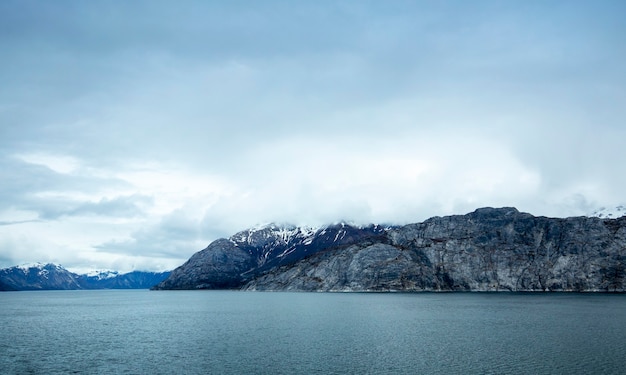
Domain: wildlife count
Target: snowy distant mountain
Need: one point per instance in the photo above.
(610, 212)
(102, 274)
(39, 276)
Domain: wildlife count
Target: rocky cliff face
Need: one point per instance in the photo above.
(487, 250)
(503, 249)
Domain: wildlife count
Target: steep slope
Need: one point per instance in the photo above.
(365, 266)
(5, 288)
(229, 263)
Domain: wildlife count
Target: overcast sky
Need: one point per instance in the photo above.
(133, 133)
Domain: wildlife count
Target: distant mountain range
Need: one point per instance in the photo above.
(490, 249)
(54, 277)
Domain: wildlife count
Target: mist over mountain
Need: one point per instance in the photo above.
(490, 249)
(54, 277)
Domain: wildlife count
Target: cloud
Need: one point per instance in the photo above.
(14, 222)
(54, 186)
(135, 133)
(123, 206)
(171, 240)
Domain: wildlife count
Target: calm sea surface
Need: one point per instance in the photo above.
(220, 332)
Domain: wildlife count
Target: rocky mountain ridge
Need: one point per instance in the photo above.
(54, 277)
(229, 263)
(490, 249)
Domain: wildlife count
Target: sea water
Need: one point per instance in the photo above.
(226, 332)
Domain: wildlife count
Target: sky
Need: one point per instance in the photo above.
(132, 134)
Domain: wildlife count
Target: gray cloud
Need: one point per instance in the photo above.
(50, 194)
(14, 222)
(123, 206)
(175, 236)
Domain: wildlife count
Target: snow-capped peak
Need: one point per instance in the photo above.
(284, 232)
(26, 267)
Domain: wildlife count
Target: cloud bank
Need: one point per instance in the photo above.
(133, 134)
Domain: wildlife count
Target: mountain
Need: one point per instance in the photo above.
(5, 287)
(38, 277)
(229, 263)
(54, 277)
(490, 249)
(131, 280)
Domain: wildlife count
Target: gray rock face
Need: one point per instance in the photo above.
(360, 267)
(220, 266)
(486, 250)
(502, 249)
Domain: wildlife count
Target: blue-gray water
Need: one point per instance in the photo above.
(203, 332)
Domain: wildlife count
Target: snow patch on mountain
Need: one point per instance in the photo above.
(102, 274)
(27, 266)
(284, 233)
(49, 276)
(40, 268)
(610, 212)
